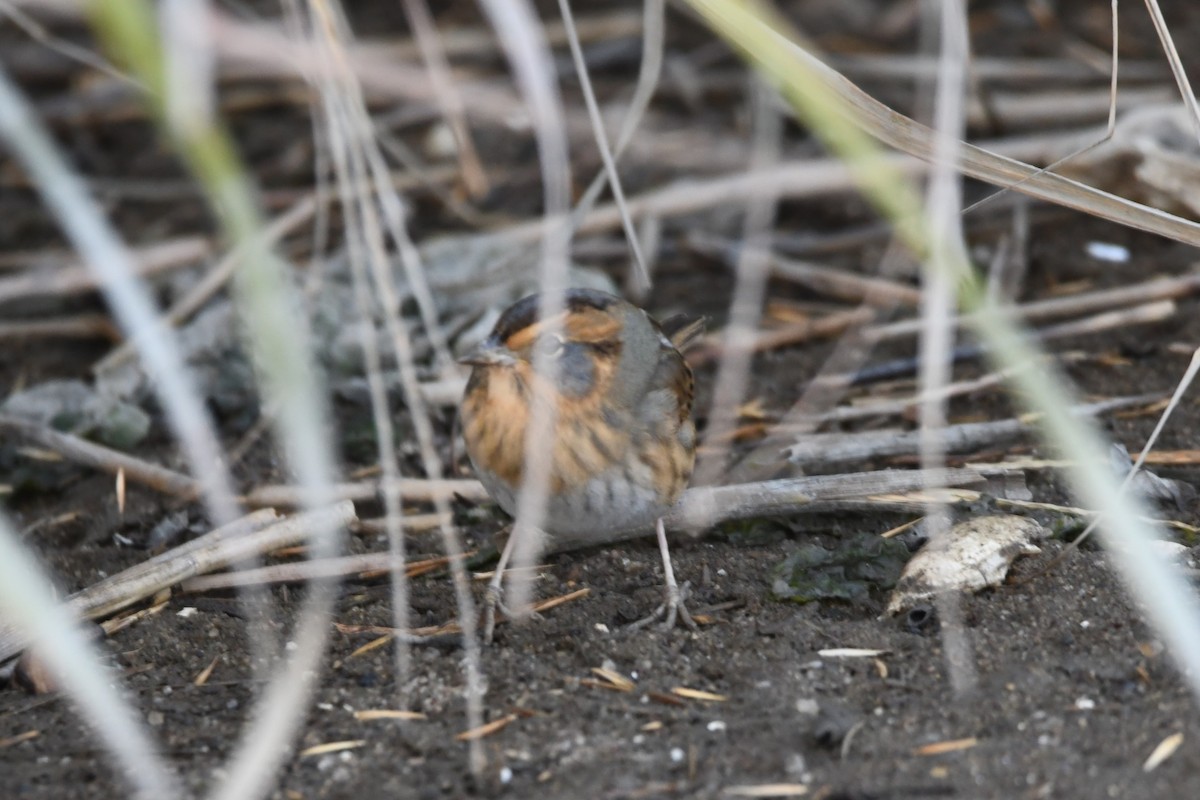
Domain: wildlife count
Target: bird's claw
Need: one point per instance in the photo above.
(492, 602)
(672, 610)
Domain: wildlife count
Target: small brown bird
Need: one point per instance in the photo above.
(624, 442)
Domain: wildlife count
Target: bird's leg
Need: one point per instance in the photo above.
(495, 591)
(493, 599)
(672, 608)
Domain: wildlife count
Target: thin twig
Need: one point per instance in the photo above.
(830, 281)
(826, 327)
(1072, 305)
(216, 278)
(606, 153)
(448, 98)
(148, 260)
(81, 451)
(81, 326)
(751, 275)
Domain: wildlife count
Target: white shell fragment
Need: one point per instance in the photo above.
(1104, 251)
(972, 555)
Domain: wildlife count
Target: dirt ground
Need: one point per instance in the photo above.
(1072, 692)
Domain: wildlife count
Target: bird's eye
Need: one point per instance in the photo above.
(549, 346)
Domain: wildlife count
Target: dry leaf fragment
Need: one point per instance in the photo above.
(1166, 748)
(972, 555)
(1146, 483)
(752, 409)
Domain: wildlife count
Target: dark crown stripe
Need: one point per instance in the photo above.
(524, 312)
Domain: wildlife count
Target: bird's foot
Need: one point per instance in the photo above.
(493, 601)
(671, 611)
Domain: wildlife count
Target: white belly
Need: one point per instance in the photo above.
(606, 504)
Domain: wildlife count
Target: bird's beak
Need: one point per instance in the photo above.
(490, 353)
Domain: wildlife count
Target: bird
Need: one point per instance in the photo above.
(624, 441)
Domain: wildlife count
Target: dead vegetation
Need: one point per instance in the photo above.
(405, 172)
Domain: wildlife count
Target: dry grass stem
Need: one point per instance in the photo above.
(751, 276)
(495, 726)
(610, 679)
(698, 694)
(123, 621)
(9, 741)
(373, 714)
(206, 673)
(950, 746)
(331, 747)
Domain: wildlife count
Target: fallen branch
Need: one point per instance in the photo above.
(238, 541)
(844, 448)
(105, 459)
(705, 506)
(377, 563)
(411, 489)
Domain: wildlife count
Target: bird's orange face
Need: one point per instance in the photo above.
(582, 347)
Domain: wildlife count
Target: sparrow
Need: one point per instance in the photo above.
(623, 443)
